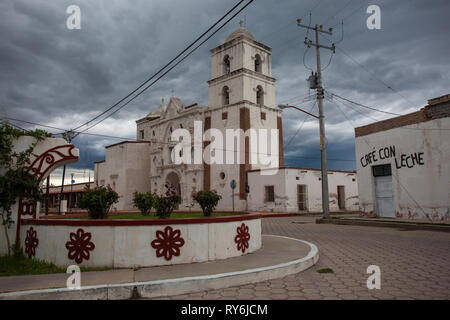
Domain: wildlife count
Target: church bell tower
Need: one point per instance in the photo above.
(241, 96)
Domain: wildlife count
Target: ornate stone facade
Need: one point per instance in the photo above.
(241, 96)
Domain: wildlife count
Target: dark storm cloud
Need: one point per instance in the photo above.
(62, 77)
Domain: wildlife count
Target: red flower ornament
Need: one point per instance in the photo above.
(79, 245)
(31, 242)
(168, 243)
(242, 238)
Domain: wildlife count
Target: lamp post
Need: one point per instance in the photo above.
(325, 196)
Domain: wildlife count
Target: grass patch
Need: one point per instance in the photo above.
(325, 270)
(174, 215)
(20, 265)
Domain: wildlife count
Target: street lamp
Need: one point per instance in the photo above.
(323, 157)
(285, 106)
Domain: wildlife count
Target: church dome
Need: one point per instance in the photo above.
(238, 33)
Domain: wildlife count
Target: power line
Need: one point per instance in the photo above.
(372, 74)
(160, 70)
(179, 61)
(50, 127)
(300, 127)
(364, 106)
(378, 120)
(352, 13)
(339, 11)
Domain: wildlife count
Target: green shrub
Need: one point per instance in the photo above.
(144, 202)
(98, 201)
(165, 205)
(208, 201)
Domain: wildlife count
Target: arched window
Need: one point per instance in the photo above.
(226, 65)
(257, 63)
(259, 96)
(225, 95)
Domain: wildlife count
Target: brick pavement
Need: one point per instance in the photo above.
(414, 264)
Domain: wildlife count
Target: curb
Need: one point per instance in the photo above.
(171, 287)
(398, 225)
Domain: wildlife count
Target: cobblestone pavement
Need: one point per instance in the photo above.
(414, 264)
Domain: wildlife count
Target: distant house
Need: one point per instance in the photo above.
(403, 164)
(71, 193)
(294, 189)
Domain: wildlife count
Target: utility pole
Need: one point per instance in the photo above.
(68, 136)
(318, 86)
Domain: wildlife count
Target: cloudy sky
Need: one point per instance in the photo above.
(61, 78)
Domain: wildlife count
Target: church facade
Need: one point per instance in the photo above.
(241, 104)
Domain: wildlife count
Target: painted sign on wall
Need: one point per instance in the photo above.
(405, 160)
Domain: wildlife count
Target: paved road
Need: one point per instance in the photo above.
(414, 264)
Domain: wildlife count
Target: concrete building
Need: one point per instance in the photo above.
(294, 189)
(403, 164)
(241, 99)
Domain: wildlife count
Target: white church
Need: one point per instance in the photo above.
(241, 99)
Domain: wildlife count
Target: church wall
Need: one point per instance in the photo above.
(126, 169)
(231, 171)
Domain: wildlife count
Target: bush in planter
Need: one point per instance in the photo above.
(165, 204)
(207, 200)
(144, 202)
(98, 201)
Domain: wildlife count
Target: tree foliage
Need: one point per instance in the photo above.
(16, 182)
(165, 204)
(98, 201)
(144, 202)
(208, 201)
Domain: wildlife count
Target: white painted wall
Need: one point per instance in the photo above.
(419, 190)
(41, 147)
(126, 169)
(129, 246)
(285, 183)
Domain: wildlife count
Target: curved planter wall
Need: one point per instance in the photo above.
(131, 243)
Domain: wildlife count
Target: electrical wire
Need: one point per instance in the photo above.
(300, 127)
(362, 105)
(179, 61)
(165, 66)
(51, 127)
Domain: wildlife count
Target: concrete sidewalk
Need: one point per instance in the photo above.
(401, 224)
(279, 256)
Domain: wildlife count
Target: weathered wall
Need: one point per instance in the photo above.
(122, 244)
(420, 188)
(126, 169)
(285, 186)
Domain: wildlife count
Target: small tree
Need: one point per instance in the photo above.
(144, 202)
(98, 201)
(207, 200)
